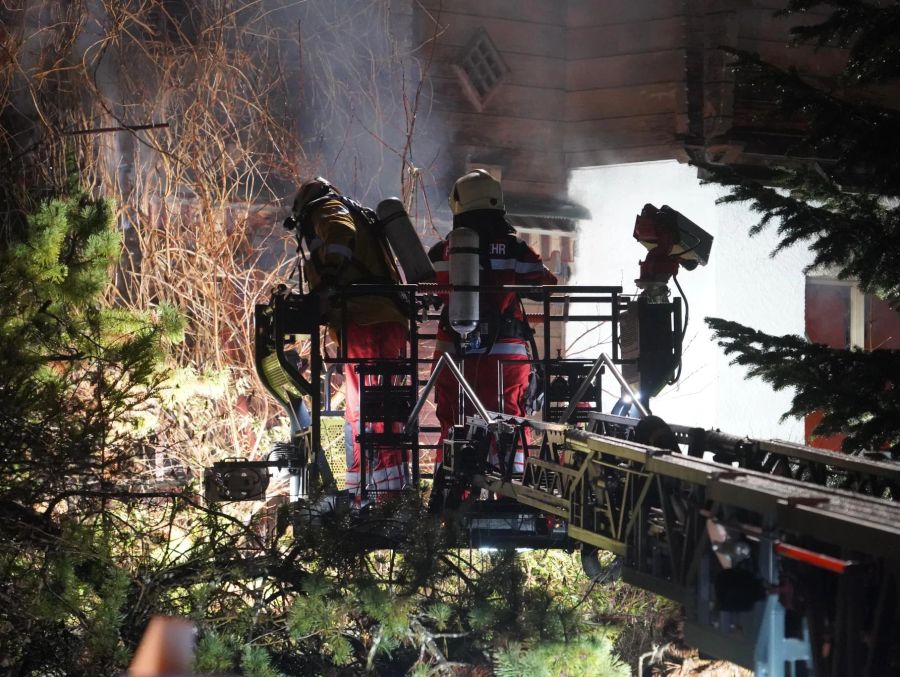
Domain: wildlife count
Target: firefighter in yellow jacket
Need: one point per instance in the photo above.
(344, 249)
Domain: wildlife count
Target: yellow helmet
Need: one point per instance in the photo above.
(309, 191)
(476, 190)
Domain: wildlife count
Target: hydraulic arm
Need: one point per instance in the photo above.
(772, 570)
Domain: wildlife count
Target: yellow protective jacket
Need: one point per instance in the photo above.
(343, 247)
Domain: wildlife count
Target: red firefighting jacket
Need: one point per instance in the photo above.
(505, 260)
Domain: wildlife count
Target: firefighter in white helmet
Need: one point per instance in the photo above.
(345, 249)
(503, 333)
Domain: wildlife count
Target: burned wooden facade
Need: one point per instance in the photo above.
(534, 88)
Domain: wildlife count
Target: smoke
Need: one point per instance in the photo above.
(356, 97)
(366, 121)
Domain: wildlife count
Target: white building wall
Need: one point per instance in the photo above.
(741, 282)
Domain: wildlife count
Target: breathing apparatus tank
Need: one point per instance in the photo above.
(464, 271)
(404, 241)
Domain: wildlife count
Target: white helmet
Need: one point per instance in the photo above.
(476, 190)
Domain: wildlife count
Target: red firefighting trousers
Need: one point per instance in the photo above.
(482, 373)
(384, 340)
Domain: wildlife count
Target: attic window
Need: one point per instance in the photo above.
(480, 69)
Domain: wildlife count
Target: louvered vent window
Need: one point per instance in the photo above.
(481, 69)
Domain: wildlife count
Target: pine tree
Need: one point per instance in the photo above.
(73, 374)
(72, 370)
(845, 210)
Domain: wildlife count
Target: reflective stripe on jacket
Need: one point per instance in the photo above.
(505, 260)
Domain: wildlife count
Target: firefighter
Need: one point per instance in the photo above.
(346, 249)
(504, 335)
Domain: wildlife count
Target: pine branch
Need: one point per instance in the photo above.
(870, 32)
(854, 234)
(841, 125)
(855, 389)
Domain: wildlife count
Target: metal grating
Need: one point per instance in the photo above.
(332, 441)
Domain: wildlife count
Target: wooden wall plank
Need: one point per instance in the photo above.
(549, 165)
(771, 5)
(644, 130)
(611, 156)
(613, 102)
(814, 14)
(534, 11)
(514, 37)
(600, 12)
(619, 71)
(524, 70)
(531, 164)
(482, 129)
(510, 100)
(629, 38)
(534, 187)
